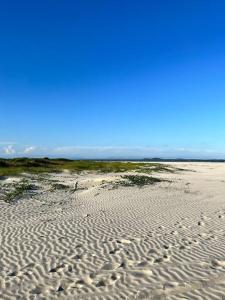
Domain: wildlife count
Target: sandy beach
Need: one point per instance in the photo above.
(80, 236)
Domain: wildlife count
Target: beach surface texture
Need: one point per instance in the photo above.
(91, 235)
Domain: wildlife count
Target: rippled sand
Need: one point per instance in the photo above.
(94, 241)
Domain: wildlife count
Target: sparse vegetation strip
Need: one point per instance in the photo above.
(17, 166)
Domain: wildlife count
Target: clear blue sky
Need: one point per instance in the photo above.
(112, 78)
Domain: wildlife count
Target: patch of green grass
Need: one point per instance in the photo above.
(59, 186)
(17, 166)
(139, 180)
(20, 189)
(156, 168)
(103, 167)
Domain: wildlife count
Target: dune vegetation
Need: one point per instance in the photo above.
(17, 166)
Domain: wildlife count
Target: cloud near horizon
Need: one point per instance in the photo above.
(29, 149)
(9, 150)
(104, 152)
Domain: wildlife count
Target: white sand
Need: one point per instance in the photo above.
(165, 241)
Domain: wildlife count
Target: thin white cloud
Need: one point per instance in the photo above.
(9, 150)
(29, 149)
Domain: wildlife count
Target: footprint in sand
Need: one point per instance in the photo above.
(86, 280)
(164, 258)
(57, 268)
(16, 274)
(200, 223)
(27, 270)
(107, 282)
(36, 291)
(205, 218)
(174, 232)
(218, 263)
(123, 241)
(110, 266)
(114, 277)
(126, 264)
(141, 273)
(60, 289)
(167, 247)
(13, 274)
(114, 251)
(40, 290)
(171, 285)
(152, 252)
(77, 257)
(144, 264)
(101, 283)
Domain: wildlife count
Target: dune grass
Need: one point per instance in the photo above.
(17, 166)
(59, 186)
(19, 190)
(139, 180)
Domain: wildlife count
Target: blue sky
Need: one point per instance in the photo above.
(112, 78)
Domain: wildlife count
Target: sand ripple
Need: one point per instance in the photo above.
(164, 241)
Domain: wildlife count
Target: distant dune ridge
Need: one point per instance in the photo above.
(130, 234)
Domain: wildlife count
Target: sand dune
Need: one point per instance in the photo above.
(89, 240)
